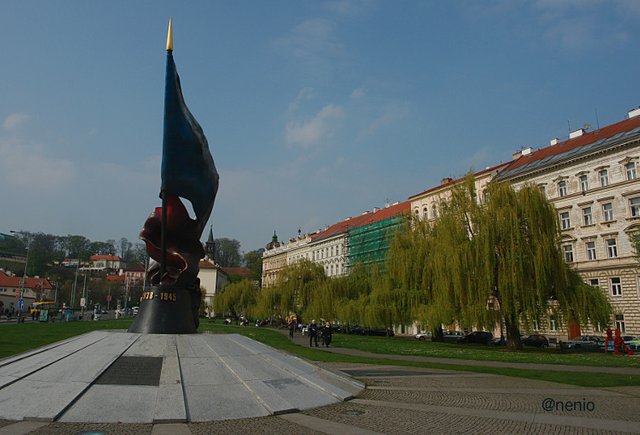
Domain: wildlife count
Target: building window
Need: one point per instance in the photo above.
(565, 220)
(562, 188)
(620, 322)
(593, 282)
(434, 211)
(485, 196)
(584, 183)
(591, 251)
(604, 178)
(425, 213)
(607, 212)
(631, 170)
(586, 216)
(417, 213)
(536, 325)
(616, 286)
(552, 323)
(612, 249)
(568, 253)
(634, 204)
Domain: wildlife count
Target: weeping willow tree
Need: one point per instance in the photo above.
(520, 266)
(236, 299)
(297, 284)
(268, 304)
(478, 265)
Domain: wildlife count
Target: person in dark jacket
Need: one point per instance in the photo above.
(326, 334)
(312, 331)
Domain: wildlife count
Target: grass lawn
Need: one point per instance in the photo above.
(19, 338)
(16, 338)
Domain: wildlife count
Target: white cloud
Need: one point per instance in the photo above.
(389, 116)
(357, 94)
(312, 45)
(27, 166)
(309, 132)
(14, 120)
(305, 94)
(349, 7)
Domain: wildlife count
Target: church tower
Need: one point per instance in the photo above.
(210, 246)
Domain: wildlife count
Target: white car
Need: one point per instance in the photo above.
(422, 336)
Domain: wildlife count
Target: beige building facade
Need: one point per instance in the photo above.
(593, 181)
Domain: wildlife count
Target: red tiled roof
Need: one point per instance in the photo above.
(104, 257)
(580, 141)
(237, 271)
(362, 220)
(14, 281)
(450, 181)
(207, 264)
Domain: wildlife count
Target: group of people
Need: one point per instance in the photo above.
(316, 333)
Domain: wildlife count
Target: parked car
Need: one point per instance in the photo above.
(587, 343)
(536, 340)
(379, 332)
(422, 336)
(634, 345)
(479, 337)
(453, 336)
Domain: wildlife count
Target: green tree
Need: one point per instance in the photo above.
(236, 299)
(227, 252)
(510, 261)
(253, 261)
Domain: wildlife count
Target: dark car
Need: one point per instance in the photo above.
(536, 340)
(380, 332)
(584, 343)
(479, 337)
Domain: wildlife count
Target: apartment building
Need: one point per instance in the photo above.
(593, 181)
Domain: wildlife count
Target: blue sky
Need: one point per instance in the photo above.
(314, 110)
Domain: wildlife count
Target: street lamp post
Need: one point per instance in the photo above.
(24, 278)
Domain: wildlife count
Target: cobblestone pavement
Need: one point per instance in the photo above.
(407, 400)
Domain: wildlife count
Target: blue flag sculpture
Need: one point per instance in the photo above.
(172, 238)
(188, 170)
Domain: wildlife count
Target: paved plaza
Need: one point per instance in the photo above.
(401, 400)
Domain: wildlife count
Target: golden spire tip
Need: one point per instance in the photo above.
(169, 37)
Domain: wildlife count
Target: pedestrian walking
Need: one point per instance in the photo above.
(312, 331)
(326, 334)
(292, 326)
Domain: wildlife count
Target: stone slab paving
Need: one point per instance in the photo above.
(118, 377)
(397, 400)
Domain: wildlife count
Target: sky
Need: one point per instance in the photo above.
(314, 110)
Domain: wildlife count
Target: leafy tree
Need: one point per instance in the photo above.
(102, 248)
(253, 261)
(77, 247)
(236, 299)
(510, 260)
(227, 252)
(124, 245)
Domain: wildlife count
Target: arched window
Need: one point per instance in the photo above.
(434, 211)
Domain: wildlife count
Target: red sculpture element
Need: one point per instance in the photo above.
(184, 249)
(609, 345)
(619, 346)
